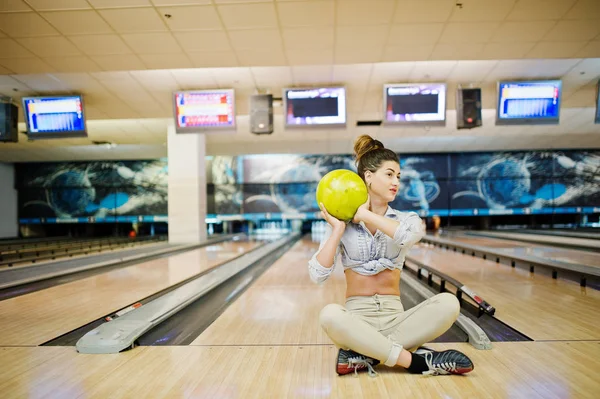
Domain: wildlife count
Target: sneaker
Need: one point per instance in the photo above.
(349, 361)
(446, 362)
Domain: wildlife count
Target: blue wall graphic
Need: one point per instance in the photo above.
(106, 191)
(252, 186)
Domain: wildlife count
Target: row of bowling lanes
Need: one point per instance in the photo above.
(267, 343)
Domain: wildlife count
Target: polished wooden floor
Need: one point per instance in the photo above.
(538, 306)
(268, 345)
(579, 257)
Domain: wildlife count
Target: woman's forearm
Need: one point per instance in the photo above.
(386, 225)
(326, 255)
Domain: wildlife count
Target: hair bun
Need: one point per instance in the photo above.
(364, 144)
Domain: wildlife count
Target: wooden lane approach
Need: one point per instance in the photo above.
(536, 305)
(38, 317)
(294, 360)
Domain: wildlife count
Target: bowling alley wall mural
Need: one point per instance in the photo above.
(107, 191)
(431, 184)
(259, 186)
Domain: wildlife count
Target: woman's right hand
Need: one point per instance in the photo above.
(336, 224)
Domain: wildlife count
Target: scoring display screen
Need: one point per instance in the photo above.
(315, 107)
(51, 117)
(415, 104)
(529, 102)
(204, 110)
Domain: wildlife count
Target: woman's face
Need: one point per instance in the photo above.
(385, 181)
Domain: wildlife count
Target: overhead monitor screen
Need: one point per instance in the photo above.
(415, 104)
(324, 106)
(54, 117)
(533, 102)
(200, 111)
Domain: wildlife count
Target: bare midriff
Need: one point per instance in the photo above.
(386, 282)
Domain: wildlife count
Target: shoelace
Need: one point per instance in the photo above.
(358, 361)
(440, 368)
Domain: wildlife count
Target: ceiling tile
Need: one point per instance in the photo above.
(255, 39)
(428, 71)
(317, 38)
(390, 72)
(238, 78)
(180, 2)
(347, 36)
(514, 32)
(45, 5)
(42, 82)
(166, 61)
(591, 50)
(4, 71)
(211, 59)
(100, 44)
(321, 74)
(352, 73)
(268, 76)
(468, 32)
(119, 3)
(471, 71)
(9, 48)
(152, 43)
(413, 34)
(574, 30)
(194, 78)
(240, 1)
(414, 11)
(49, 46)
(134, 19)
(72, 64)
(317, 13)
(310, 57)
(555, 49)
(358, 12)
(203, 40)
(524, 69)
(584, 9)
(118, 62)
(539, 10)
(269, 57)
(458, 51)
(407, 52)
(506, 51)
(358, 54)
(74, 22)
(13, 5)
(159, 80)
(482, 10)
(26, 65)
(246, 16)
(25, 24)
(191, 18)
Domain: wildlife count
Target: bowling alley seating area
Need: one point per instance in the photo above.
(22, 253)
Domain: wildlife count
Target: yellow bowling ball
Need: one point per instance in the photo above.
(342, 191)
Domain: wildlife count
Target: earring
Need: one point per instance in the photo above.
(369, 186)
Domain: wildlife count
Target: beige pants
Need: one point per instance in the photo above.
(377, 326)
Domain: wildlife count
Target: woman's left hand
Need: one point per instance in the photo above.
(366, 207)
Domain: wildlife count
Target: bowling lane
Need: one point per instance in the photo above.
(537, 306)
(35, 318)
(529, 370)
(572, 256)
(281, 307)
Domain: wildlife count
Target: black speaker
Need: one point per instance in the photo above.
(468, 108)
(261, 114)
(9, 120)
